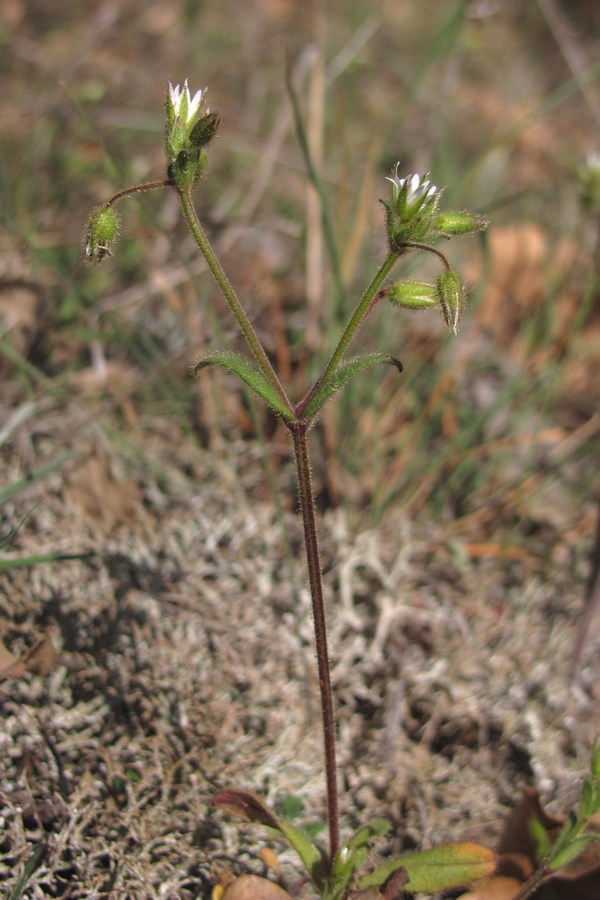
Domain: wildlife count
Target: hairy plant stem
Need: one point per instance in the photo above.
(365, 304)
(299, 431)
(230, 295)
(533, 883)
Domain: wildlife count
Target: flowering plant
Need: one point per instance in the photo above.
(414, 223)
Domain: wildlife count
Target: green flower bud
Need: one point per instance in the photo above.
(451, 297)
(102, 232)
(413, 294)
(589, 183)
(205, 129)
(455, 222)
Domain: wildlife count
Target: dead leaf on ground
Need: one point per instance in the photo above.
(98, 498)
(11, 666)
(40, 659)
(495, 887)
(579, 880)
(251, 887)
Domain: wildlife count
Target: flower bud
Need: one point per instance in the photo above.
(413, 294)
(450, 223)
(205, 129)
(589, 183)
(102, 232)
(411, 209)
(451, 297)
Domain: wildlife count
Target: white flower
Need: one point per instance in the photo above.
(182, 105)
(418, 187)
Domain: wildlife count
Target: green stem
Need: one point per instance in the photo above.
(230, 295)
(363, 307)
(307, 507)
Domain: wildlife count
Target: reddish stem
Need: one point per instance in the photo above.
(299, 431)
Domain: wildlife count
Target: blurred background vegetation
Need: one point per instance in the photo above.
(498, 100)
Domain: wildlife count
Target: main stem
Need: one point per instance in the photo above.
(307, 507)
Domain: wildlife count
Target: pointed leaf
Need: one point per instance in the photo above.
(342, 376)
(448, 866)
(249, 374)
(248, 806)
(571, 851)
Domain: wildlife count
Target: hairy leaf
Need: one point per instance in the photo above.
(440, 868)
(249, 374)
(342, 376)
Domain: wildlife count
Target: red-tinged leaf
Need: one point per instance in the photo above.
(245, 805)
(248, 806)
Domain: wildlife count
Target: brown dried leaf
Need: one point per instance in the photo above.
(516, 836)
(251, 887)
(11, 666)
(579, 880)
(42, 657)
(495, 887)
(99, 499)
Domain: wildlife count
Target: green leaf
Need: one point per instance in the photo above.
(248, 806)
(596, 762)
(571, 850)
(590, 799)
(309, 853)
(540, 839)
(451, 865)
(342, 376)
(249, 374)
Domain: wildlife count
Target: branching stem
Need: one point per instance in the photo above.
(230, 295)
(362, 309)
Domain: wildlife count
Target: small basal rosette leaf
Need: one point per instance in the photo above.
(251, 808)
(249, 374)
(342, 376)
(452, 865)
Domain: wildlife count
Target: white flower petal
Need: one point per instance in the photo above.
(194, 104)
